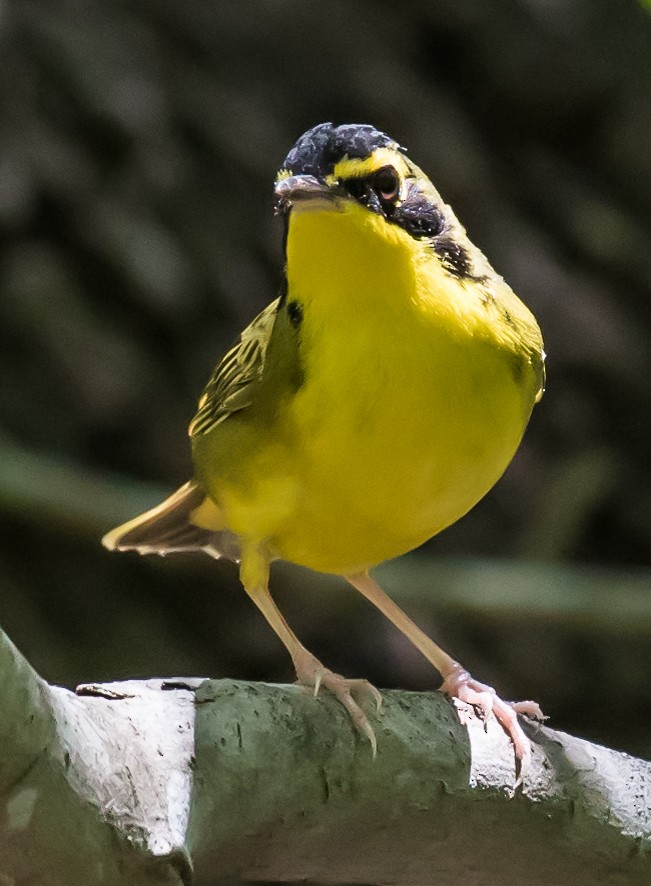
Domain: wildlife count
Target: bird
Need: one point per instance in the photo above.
(368, 407)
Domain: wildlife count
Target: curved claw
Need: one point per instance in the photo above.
(310, 672)
(363, 687)
(342, 691)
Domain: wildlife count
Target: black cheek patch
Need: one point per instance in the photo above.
(419, 217)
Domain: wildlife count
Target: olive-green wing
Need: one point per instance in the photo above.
(235, 382)
(189, 520)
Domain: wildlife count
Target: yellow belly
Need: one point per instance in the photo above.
(358, 479)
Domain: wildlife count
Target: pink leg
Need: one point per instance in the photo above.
(254, 573)
(457, 682)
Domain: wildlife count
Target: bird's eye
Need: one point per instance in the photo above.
(386, 184)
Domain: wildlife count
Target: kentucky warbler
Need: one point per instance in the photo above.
(367, 408)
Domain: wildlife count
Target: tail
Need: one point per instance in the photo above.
(170, 527)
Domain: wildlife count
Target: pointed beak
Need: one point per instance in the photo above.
(304, 191)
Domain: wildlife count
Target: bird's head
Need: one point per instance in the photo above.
(365, 228)
(362, 173)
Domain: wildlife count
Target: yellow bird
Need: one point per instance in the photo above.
(364, 410)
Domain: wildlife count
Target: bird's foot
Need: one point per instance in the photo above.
(459, 684)
(310, 672)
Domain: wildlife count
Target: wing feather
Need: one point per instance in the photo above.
(232, 386)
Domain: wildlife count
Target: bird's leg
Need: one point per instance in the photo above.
(457, 682)
(254, 574)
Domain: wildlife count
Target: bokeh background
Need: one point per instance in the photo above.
(138, 144)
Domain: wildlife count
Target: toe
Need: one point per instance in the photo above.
(459, 684)
(343, 690)
(481, 700)
(359, 718)
(310, 672)
(365, 690)
(529, 709)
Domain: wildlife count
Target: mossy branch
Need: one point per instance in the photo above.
(193, 781)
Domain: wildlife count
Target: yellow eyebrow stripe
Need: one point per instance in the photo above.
(355, 168)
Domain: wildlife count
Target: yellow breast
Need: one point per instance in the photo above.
(417, 392)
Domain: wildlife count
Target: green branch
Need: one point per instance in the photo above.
(194, 781)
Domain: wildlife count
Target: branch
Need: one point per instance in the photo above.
(91, 792)
(192, 781)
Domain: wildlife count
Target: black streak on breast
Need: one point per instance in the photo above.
(454, 257)
(295, 313)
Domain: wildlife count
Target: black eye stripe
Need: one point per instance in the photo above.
(385, 183)
(416, 213)
(359, 188)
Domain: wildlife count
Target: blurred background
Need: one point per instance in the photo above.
(138, 145)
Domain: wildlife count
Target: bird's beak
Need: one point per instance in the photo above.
(304, 192)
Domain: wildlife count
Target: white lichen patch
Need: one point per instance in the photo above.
(20, 809)
(179, 787)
